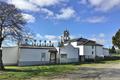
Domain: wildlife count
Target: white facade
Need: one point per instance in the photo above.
(33, 56)
(68, 54)
(58, 54)
(84, 50)
(106, 52)
(80, 47)
(10, 55)
(89, 52)
(36, 56)
(99, 51)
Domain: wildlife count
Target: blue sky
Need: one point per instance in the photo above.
(93, 19)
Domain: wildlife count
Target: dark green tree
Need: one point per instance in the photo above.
(116, 39)
(112, 50)
(11, 25)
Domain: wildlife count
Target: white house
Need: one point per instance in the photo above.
(29, 55)
(88, 49)
(10, 55)
(106, 52)
(68, 54)
(99, 50)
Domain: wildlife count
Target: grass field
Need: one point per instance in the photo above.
(22, 73)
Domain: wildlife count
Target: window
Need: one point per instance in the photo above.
(92, 52)
(92, 47)
(63, 55)
(43, 55)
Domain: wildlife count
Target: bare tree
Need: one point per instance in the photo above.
(11, 25)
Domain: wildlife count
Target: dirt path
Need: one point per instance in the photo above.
(98, 72)
(116, 66)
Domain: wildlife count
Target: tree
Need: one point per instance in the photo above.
(112, 50)
(11, 25)
(116, 39)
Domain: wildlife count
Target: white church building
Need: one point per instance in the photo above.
(68, 51)
(88, 49)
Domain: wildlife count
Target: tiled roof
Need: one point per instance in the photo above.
(36, 47)
(83, 41)
(99, 45)
(78, 39)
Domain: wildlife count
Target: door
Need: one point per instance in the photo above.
(63, 58)
(43, 56)
(52, 57)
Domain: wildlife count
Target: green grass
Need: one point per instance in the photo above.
(115, 54)
(22, 73)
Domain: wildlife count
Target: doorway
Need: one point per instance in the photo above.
(53, 57)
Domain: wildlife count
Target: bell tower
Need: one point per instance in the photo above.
(66, 36)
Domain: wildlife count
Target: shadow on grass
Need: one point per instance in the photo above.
(111, 58)
(100, 60)
(91, 61)
(18, 70)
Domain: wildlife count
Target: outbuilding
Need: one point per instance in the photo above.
(68, 54)
(29, 55)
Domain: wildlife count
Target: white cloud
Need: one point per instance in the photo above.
(101, 41)
(95, 19)
(99, 38)
(102, 35)
(41, 6)
(43, 3)
(29, 18)
(65, 13)
(83, 1)
(46, 37)
(95, 2)
(9, 43)
(34, 5)
(48, 12)
(103, 5)
(38, 36)
(76, 36)
(24, 5)
(51, 37)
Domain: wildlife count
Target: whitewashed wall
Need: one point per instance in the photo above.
(99, 51)
(72, 54)
(10, 55)
(33, 56)
(88, 52)
(81, 48)
(106, 52)
(58, 55)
